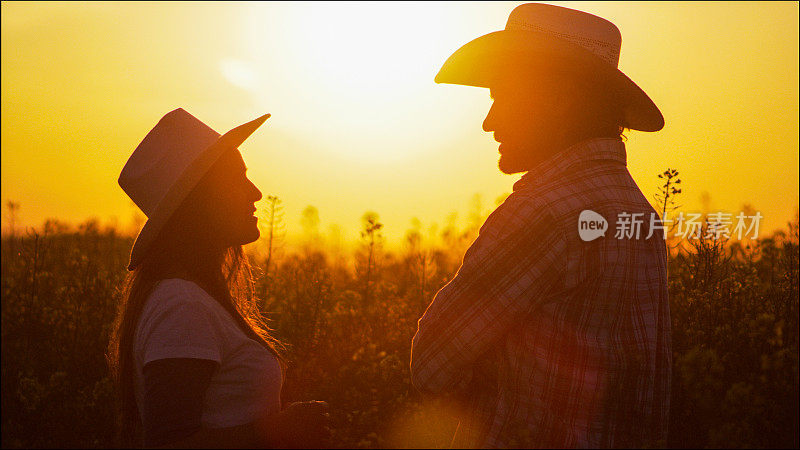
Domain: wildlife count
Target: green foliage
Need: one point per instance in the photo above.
(735, 343)
(58, 301)
(348, 321)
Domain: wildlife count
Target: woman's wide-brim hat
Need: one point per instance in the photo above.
(546, 36)
(168, 164)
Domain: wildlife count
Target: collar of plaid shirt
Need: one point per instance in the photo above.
(584, 152)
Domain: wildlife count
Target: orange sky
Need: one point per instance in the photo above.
(357, 122)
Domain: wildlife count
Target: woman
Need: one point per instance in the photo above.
(193, 363)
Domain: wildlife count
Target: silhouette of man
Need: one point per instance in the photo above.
(546, 337)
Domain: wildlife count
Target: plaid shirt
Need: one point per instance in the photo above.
(549, 340)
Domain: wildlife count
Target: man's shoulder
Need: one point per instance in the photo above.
(518, 211)
(554, 202)
(606, 191)
(599, 187)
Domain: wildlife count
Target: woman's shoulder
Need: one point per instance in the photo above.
(181, 288)
(181, 293)
(180, 320)
(176, 302)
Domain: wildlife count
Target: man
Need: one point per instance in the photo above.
(555, 332)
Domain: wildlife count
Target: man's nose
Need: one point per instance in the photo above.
(489, 122)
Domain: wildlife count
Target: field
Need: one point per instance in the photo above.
(348, 315)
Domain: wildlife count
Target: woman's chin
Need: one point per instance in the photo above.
(248, 235)
(253, 236)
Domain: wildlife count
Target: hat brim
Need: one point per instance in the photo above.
(184, 185)
(489, 59)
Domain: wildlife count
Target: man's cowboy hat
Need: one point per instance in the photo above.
(538, 35)
(168, 164)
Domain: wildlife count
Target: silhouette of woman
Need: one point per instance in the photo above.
(194, 364)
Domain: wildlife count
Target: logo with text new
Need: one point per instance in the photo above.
(591, 225)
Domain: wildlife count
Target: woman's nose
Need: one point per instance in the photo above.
(255, 192)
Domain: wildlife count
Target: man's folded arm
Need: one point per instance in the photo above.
(517, 257)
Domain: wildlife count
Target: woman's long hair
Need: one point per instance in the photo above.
(185, 248)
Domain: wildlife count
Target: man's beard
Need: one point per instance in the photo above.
(515, 160)
(537, 148)
(510, 165)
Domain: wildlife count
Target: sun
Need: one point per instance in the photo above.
(374, 49)
(359, 71)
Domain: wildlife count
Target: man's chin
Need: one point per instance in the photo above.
(510, 166)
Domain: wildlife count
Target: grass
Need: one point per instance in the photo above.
(348, 318)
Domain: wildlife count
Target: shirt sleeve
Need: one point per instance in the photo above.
(173, 398)
(182, 328)
(518, 256)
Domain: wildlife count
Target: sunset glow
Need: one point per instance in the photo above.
(357, 122)
(351, 261)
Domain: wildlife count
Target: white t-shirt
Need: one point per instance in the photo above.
(181, 320)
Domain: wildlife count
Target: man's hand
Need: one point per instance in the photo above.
(300, 425)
